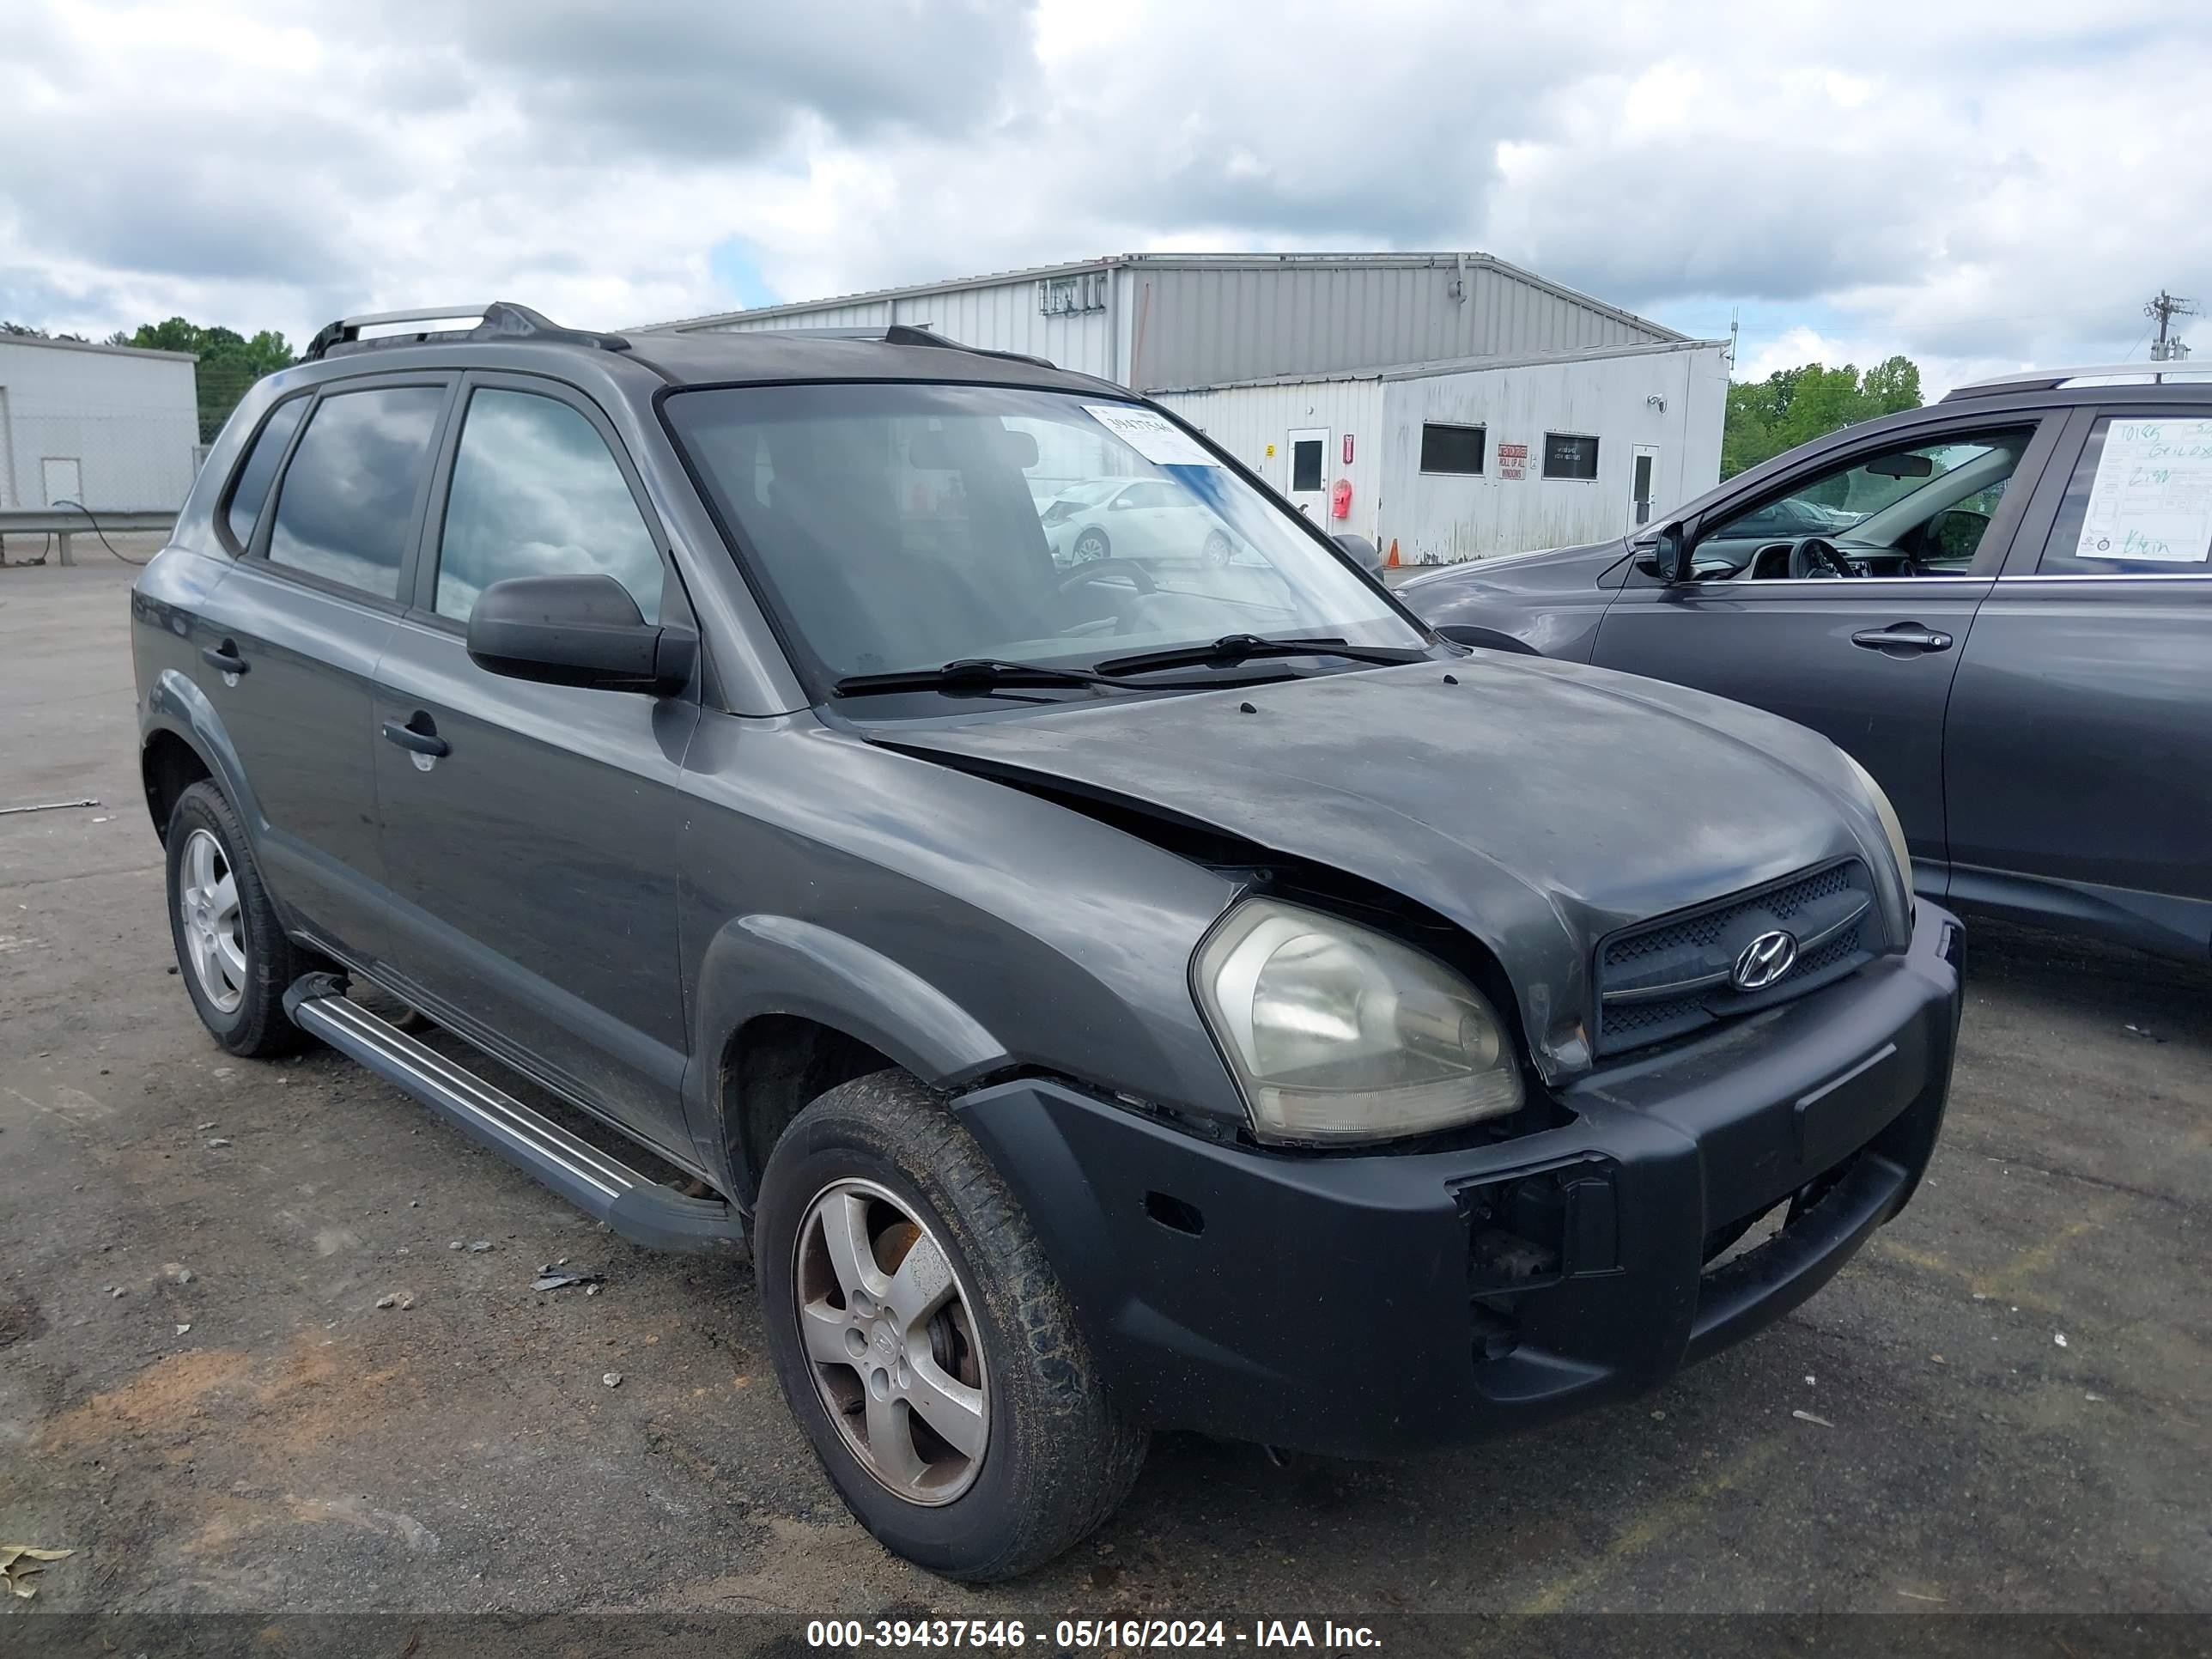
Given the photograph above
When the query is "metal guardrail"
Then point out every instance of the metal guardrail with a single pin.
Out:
(67, 521)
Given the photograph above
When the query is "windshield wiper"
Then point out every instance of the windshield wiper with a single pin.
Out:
(968, 674)
(1232, 649)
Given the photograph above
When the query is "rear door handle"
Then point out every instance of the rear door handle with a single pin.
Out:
(224, 657)
(1902, 636)
(417, 742)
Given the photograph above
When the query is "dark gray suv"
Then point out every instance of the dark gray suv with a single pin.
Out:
(2001, 605)
(1187, 994)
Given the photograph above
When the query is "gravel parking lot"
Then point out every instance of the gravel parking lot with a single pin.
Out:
(2001, 1405)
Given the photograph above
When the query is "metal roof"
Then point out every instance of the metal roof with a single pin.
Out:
(1471, 261)
(99, 346)
(1452, 366)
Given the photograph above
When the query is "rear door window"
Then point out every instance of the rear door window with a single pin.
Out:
(535, 492)
(251, 491)
(345, 511)
(2140, 500)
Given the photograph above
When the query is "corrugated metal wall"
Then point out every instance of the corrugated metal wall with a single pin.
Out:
(130, 423)
(1000, 317)
(1198, 325)
(1438, 519)
(865, 313)
(1245, 420)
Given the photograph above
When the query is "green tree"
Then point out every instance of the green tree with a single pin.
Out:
(230, 361)
(1795, 405)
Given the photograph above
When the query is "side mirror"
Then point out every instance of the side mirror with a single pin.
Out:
(1670, 555)
(1363, 551)
(577, 630)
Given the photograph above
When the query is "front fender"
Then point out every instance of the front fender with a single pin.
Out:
(776, 965)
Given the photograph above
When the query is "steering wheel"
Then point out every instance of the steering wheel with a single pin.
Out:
(1817, 556)
(1091, 572)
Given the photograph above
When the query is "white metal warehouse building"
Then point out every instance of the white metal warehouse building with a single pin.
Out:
(112, 428)
(1450, 402)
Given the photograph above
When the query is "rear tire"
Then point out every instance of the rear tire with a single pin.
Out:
(232, 952)
(888, 1160)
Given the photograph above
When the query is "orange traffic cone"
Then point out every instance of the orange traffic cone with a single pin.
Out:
(1392, 562)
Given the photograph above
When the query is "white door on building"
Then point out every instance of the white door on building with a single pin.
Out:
(1305, 472)
(1643, 481)
(62, 478)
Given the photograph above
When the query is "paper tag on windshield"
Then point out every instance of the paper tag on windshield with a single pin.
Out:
(2153, 496)
(1158, 440)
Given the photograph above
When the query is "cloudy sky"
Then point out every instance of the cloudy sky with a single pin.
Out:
(1979, 186)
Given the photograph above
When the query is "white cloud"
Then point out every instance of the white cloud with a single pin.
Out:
(1961, 190)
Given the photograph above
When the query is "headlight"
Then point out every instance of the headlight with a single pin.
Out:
(1337, 1033)
(1890, 826)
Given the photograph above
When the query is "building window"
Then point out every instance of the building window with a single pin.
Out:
(1570, 455)
(1451, 448)
(1065, 296)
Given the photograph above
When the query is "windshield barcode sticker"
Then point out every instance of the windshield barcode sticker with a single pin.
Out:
(1159, 441)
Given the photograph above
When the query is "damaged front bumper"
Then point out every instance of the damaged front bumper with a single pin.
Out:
(1380, 1304)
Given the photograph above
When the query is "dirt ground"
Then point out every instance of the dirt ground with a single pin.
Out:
(2001, 1404)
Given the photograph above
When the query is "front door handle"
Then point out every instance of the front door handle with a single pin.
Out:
(224, 657)
(418, 736)
(1902, 636)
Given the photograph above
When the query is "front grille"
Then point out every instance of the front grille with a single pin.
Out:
(1670, 977)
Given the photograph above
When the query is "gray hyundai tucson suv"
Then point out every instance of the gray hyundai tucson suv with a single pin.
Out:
(1169, 992)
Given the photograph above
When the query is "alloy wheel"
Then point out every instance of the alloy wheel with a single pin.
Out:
(213, 926)
(890, 1337)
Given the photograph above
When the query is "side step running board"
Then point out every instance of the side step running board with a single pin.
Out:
(640, 1209)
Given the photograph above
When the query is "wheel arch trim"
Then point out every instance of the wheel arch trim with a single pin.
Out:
(177, 706)
(766, 963)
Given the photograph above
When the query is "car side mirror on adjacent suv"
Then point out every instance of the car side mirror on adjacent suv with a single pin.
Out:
(1669, 557)
(1363, 552)
(578, 630)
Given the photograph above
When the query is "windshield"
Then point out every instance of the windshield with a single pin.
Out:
(899, 527)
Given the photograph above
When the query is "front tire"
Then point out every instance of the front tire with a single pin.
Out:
(1092, 545)
(924, 1343)
(232, 952)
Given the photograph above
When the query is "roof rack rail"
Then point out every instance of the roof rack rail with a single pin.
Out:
(2050, 379)
(500, 320)
(908, 334)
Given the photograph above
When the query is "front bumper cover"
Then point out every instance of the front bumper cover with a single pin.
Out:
(1382, 1304)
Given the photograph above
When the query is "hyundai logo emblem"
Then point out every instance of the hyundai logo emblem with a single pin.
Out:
(1765, 960)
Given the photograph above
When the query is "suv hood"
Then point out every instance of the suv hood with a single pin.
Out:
(1540, 806)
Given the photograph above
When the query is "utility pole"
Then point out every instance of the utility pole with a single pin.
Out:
(1732, 338)
(2165, 307)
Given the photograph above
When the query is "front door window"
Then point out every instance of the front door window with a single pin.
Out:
(1919, 509)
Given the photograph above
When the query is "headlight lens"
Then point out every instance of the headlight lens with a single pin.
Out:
(1890, 826)
(1337, 1033)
